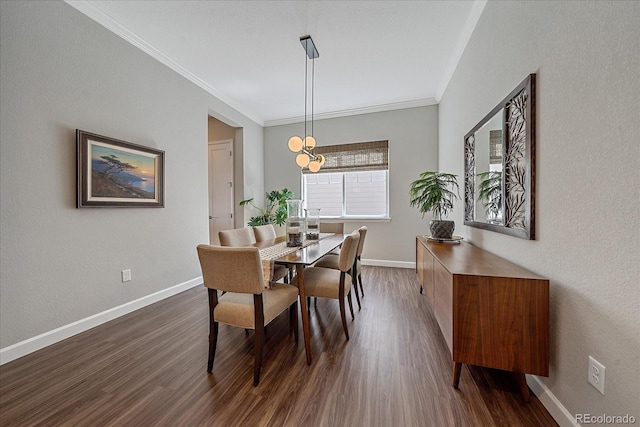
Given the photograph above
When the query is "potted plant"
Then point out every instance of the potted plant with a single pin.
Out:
(275, 210)
(434, 191)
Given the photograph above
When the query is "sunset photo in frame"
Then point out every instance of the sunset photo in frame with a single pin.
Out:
(113, 173)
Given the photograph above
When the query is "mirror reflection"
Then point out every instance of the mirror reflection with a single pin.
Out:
(488, 179)
(499, 166)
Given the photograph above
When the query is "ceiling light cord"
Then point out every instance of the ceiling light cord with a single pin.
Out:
(306, 66)
(305, 146)
(313, 85)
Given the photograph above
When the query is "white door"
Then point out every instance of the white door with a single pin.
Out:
(220, 188)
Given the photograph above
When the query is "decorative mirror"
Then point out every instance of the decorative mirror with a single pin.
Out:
(499, 166)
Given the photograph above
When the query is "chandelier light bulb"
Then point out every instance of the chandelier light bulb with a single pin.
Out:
(295, 144)
(314, 166)
(309, 142)
(320, 158)
(302, 160)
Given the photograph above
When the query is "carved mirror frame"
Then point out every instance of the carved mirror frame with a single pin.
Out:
(518, 164)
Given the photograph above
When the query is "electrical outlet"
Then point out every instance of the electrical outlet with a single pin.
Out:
(126, 275)
(595, 376)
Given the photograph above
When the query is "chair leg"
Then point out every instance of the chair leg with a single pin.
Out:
(315, 301)
(308, 303)
(213, 328)
(258, 355)
(341, 303)
(293, 320)
(350, 306)
(213, 340)
(355, 289)
(259, 332)
(360, 280)
(344, 318)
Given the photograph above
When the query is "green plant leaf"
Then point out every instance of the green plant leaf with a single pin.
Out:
(275, 210)
(431, 192)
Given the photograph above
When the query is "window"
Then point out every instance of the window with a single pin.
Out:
(353, 182)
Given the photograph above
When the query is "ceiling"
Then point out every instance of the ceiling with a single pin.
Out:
(374, 55)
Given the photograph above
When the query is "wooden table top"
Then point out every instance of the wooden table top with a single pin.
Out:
(308, 254)
(312, 253)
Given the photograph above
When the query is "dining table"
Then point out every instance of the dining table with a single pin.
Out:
(275, 251)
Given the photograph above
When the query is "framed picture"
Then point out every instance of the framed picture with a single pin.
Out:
(114, 173)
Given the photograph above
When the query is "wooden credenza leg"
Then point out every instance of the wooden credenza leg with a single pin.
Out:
(524, 388)
(420, 288)
(457, 368)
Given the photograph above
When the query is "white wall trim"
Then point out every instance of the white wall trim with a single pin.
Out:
(556, 409)
(46, 339)
(465, 35)
(36, 343)
(101, 17)
(355, 111)
(387, 263)
(104, 19)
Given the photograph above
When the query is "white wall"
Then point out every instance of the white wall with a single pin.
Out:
(586, 56)
(413, 148)
(61, 71)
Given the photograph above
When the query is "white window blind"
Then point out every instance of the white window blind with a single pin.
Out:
(352, 182)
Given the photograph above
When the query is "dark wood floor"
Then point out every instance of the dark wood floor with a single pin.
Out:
(149, 368)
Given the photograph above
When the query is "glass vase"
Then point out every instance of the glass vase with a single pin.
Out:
(295, 223)
(312, 217)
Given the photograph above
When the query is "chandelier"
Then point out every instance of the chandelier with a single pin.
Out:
(304, 147)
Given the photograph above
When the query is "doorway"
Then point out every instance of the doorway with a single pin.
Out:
(220, 155)
(225, 177)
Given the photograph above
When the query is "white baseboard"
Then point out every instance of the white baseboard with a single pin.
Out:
(46, 339)
(385, 263)
(556, 409)
(30, 345)
(559, 413)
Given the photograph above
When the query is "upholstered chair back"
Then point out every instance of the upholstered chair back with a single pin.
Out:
(363, 233)
(264, 232)
(348, 251)
(237, 237)
(231, 269)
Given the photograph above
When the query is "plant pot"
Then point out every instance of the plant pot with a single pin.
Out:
(442, 229)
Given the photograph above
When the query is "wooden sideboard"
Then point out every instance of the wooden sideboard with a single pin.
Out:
(491, 312)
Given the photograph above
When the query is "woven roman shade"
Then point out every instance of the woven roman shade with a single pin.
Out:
(359, 156)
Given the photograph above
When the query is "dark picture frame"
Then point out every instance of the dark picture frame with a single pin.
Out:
(517, 193)
(114, 173)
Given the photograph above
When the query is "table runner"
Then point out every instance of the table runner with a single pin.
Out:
(269, 254)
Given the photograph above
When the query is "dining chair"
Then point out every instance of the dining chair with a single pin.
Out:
(264, 232)
(237, 237)
(332, 283)
(268, 232)
(332, 227)
(332, 261)
(246, 302)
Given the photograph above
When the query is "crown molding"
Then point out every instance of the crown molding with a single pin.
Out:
(104, 19)
(355, 111)
(465, 36)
